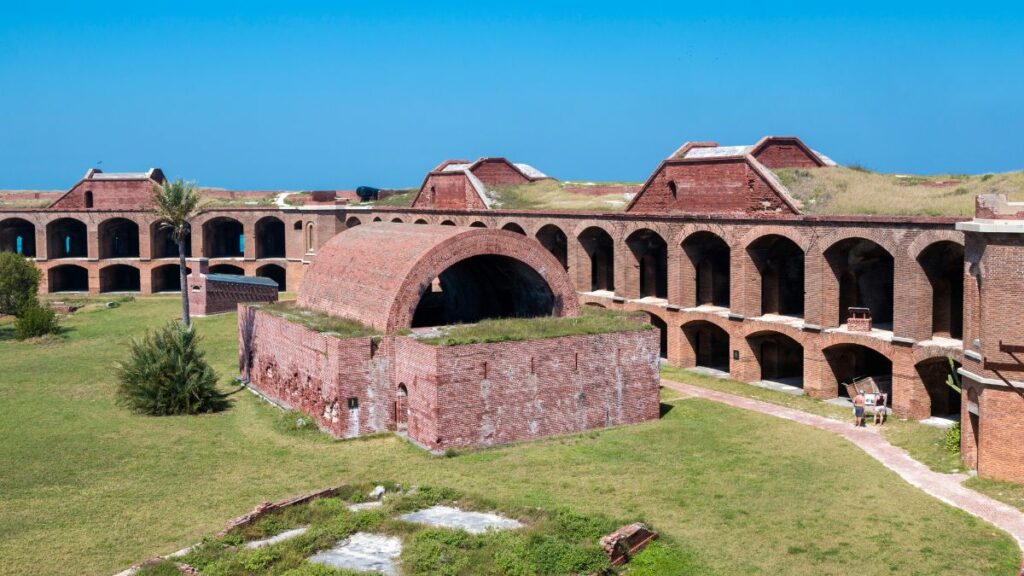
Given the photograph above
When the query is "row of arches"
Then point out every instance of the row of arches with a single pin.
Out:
(223, 237)
(862, 272)
(126, 278)
(779, 359)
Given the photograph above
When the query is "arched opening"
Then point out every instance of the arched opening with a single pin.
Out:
(119, 278)
(779, 358)
(600, 258)
(223, 237)
(275, 273)
(595, 305)
(513, 227)
(119, 238)
(943, 265)
(309, 237)
(482, 287)
(67, 278)
(709, 344)
(447, 223)
(162, 243)
(375, 219)
(672, 189)
(352, 222)
(227, 269)
(780, 266)
(852, 362)
(555, 241)
(396, 220)
(709, 257)
(88, 198)
(420, 221)
(66, 238)
(478, 224)
(662, 329)
(18, 236)
(297, 225)
(402, 407)
(269, 238)
(864, 272)
(944, 401)
(651, 254)
(166, 278)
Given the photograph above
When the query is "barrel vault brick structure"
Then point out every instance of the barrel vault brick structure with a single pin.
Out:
(713, 249)
(445, 396)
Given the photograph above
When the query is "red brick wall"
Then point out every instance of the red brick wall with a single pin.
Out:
(108, 195)
(785, 154)
(512, 391)
(316, 373)
(498, 172)
(448, 191)
(721, 186)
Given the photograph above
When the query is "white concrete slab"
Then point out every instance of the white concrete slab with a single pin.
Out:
(286, 535)
(472, 522)
(363, 552)
(365, 506)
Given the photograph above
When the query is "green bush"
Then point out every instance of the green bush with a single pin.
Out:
(35, 320)
(168, 374)
(19, 283)
(953, 438)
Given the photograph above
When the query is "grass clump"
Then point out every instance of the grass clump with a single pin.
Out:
(857, 190)
(590, 321)
(167, 374)
(317, 321)
(551, 194)
(400, 199)
(35, 320)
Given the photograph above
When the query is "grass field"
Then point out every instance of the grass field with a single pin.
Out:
(842, 190)
(88, 488)
(555, 195)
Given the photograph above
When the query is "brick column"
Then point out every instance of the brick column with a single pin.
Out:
(746, 368)
(745, 283)
(821, 291)
(623, 260)
(819, 382)
(912, 300)
(687, 280)
(909, 395)
(42, 245)
(92, 241)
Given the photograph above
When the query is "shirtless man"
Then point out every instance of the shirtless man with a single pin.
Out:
(858, 409)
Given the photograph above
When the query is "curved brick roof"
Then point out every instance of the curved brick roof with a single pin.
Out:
(376, 273)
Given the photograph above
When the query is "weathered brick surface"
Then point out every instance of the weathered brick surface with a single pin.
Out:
(448, 191)
(116, 194)
(474, 395)
(782, 152)
(498, 172)
(377, 272)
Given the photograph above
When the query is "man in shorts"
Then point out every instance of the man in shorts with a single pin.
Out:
(858, 409)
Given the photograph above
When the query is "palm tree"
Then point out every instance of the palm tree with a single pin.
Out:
(176, 203)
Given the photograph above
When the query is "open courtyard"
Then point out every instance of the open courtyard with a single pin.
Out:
(90, 488)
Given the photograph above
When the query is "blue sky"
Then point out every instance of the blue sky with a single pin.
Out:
(338, 94)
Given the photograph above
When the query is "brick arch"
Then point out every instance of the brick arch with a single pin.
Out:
(883, 348)
(925, 239)
(928, 353)
(697, 350)
(758, 232)
(694, 227)
(660, 228)
(611, 228)
(879, 237)
(751, 329)
(351, 277)
(719, 321)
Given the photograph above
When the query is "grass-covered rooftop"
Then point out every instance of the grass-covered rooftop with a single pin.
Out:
(855, 190)
(318, 321)
(590, 321)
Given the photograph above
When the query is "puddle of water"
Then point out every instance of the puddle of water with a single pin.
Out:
(363, 552)
(472, 522)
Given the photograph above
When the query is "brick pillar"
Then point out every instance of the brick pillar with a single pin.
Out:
(42, 246)
(687, 355)
(676, 340)
(196, 237)
(581, 265)
(627, 275)
(94, 277)
(912, 301)
(746, 368)
(821, 299)
(92, 241)
(909, 395)
(745, 284)
(145, 242)
(249, 231)
(687, 280)
(819, 382)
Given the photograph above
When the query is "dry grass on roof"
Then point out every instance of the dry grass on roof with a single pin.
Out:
(568, 196)
(843, 190)
(318, 321)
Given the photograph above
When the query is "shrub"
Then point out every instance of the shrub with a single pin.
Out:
(19, 283)
(35, 320)
(953, 438)
(168, 374)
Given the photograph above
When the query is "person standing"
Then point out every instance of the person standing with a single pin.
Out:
(879, 409)
(858, 409)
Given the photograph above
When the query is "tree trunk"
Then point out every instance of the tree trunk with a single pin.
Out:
(185, 318)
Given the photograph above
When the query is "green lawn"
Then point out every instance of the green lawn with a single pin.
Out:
(88, 488)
